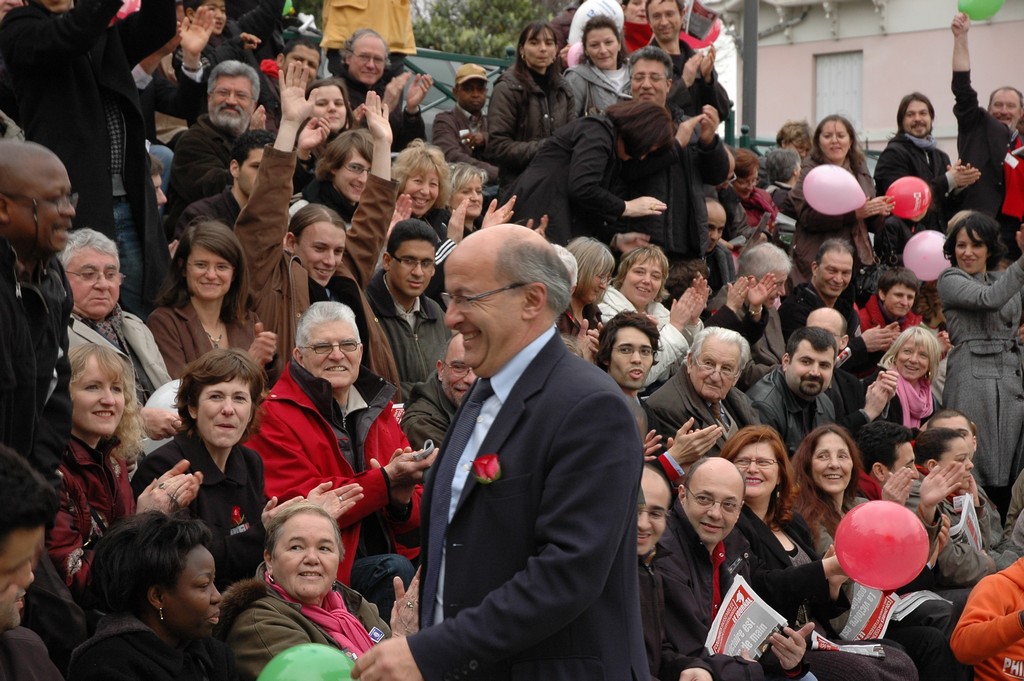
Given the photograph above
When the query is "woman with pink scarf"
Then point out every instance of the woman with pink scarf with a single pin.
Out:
(914, 356)
(295, 599)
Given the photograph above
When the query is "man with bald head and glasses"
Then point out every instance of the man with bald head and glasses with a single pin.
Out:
(37, 207)
(701, 407)
(432, 404)
(705, 555)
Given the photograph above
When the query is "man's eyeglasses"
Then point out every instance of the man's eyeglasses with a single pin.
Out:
(91, 275)
(411, 263)
(60, 203)
(347, 346)
(457, 369)
(708, 501)
(368, 58)
(627, 350)
(356, 168)
(653, 77)
(707, 367)
(653, 514)
(240, 96)
(454, 300)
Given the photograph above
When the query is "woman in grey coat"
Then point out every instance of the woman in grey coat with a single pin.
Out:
(602, 79)
(985, 368)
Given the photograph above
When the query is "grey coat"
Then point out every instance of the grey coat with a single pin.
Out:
(593, 91)
(985, 368)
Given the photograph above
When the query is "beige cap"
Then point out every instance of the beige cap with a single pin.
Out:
(470, 72)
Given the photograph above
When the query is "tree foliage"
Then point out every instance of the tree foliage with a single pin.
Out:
(480, 27)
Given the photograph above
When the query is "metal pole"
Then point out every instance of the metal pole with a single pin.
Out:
(750, 12)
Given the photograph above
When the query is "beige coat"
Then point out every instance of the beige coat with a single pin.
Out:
(140, 340)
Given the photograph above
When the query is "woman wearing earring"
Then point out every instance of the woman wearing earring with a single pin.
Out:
(154, 575)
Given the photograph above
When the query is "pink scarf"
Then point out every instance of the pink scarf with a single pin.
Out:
(334, 618)
(915, 400)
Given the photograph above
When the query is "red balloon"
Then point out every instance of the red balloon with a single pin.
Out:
(882, 545)
(912, 195)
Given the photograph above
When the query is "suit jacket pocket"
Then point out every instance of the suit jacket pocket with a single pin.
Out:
(987, 358)
(507, 487)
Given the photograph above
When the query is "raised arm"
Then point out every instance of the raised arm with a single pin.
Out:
(373, 216)
(958, 289)
(961, 54)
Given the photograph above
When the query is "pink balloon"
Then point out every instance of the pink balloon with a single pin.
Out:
(923, 255)
(882, 545)
(575, 56)
(913, 196)
(697, 43)
(833, 190)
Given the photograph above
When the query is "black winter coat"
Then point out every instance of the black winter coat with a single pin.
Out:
(60, 65)
(574, 179)
(902, 158)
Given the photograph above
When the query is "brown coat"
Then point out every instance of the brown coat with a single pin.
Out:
(181, 338)
(813, 228)
(280, 284)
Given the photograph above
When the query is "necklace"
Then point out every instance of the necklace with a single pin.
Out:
(214, 341)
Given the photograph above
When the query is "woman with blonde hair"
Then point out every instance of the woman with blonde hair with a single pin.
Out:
(639, 286)
(595, 264)
(106, 439)
(915, 357)
(422, 174)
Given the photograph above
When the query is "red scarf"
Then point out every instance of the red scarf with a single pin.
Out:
(1013, 204)
(333, 617)
(717, 558)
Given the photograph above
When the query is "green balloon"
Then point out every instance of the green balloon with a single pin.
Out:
(308, 662)
(288, 9)
(979, 10)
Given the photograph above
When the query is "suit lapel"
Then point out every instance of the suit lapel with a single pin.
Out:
(530, 383)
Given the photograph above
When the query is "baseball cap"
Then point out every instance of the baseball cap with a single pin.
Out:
(468, 72)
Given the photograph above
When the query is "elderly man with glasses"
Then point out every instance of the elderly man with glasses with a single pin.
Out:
(330, 420)
(432, 404)
(698, 409)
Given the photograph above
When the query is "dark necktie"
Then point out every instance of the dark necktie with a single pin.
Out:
(442, 497)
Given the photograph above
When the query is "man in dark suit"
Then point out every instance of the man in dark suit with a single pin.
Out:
(532, 575)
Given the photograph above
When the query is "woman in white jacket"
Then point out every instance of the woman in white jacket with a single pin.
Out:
(639, 285)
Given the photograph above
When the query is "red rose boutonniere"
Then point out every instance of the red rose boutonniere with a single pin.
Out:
(486, 468)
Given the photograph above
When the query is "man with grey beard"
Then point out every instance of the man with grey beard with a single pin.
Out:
(203, 154)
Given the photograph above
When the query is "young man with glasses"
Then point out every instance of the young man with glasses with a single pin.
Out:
(413, 322)
(699, 408)
(627, 348)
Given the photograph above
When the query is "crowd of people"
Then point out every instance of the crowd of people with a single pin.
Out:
(422, 385)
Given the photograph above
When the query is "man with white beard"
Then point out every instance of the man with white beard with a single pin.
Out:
(203, 154)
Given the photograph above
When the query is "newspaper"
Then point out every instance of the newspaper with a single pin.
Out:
(909, 602)
(871, 611)
(744, 622)
(699, 20)
(964, 504)
(819, 642)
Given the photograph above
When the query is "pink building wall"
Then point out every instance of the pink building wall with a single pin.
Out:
(894, 65)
